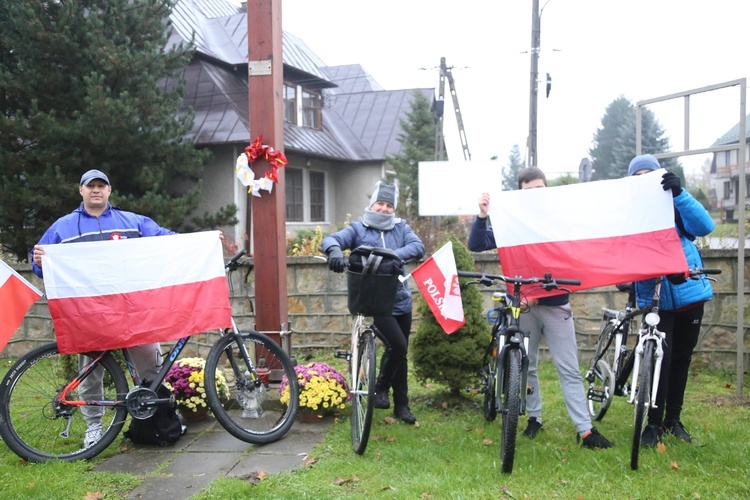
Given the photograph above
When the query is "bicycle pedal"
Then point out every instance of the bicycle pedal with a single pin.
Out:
(472, 390)
(341, 354)
(529, 390)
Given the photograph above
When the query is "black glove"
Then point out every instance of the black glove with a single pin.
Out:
(336, 259)
(670, 181)
(676, 279)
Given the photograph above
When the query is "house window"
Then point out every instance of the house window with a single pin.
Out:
(294, 202)
(727, 157)
(305, 195)
(290, 103)
(312, 104)
(317, 196)
(727, 190)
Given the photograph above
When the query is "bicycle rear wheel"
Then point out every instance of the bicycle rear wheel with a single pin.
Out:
(489, 382)
(601, 390)
(600, 377)
(642, 400)
(511, 403)
(364, 391)
(256, 410)
(32, 423)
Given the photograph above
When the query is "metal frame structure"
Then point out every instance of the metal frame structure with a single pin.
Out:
(741, 147)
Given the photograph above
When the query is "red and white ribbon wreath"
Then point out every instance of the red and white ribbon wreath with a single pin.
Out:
(258, 150)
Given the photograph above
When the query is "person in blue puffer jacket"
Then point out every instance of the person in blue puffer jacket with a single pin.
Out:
(379, 227)
(95, 220)
(680, 307)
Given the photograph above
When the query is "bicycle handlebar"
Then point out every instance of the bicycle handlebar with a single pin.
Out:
(488, 279)
(706, 270)
(232, 263)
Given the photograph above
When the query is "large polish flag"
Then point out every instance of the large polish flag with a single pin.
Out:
(601, 233)
(122, 293)
(16, 297)
(437, 280)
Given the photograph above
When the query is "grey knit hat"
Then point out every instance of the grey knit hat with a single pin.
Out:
(385, 192)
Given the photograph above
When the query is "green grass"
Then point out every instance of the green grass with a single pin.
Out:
(454, 453)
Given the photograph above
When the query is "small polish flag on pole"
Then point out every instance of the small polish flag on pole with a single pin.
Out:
(16, 297)
(437, 280)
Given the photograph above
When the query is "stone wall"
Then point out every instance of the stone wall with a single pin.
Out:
(317, 304)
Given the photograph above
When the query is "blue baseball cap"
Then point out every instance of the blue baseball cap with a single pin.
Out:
(94, 174)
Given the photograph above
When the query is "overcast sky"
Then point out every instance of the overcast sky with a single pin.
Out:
(595, 51)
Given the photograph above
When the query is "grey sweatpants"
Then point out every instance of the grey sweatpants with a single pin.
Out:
(555, 324)
(147, 360)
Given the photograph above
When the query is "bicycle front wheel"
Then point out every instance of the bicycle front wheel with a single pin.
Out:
(642, 400)
(37, 427)
(511, 394)
(363, 391)
(260, 408)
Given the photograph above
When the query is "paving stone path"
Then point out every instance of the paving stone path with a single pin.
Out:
(208, 452)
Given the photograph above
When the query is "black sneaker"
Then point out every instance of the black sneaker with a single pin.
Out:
(651, 435)
(594, 440)
(381, 400)
(533, 428)
(404, 414)
(678, 431)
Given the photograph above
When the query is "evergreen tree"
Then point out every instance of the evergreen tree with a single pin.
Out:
(614, 142)
(564, 180)
(418, 140)
(456, 359)
(92, 84)
(515, 164)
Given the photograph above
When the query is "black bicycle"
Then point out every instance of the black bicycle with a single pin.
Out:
(505, 367)
(611, 364)
(42, 414)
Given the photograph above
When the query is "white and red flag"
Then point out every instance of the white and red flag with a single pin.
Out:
(122, 293)
(16, 297)
(601, 233)
(437, 280)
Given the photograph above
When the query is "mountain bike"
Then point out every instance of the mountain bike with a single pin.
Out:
(611, 365)
(505, 368)
(42, 414)
(498, 316)
(369, 294)
(643, 362)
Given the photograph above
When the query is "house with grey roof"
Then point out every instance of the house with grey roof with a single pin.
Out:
(339, 124)
(725, 171)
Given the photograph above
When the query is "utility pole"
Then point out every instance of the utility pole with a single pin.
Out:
(438, 111)
(533, 84)
(445, 73)
(268, 212)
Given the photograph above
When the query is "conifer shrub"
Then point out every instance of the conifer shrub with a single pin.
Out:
(454, 360)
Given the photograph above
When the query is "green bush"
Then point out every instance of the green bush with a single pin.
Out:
(454, 360)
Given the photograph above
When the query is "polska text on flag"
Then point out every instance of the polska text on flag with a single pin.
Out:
(602, 233)
(16, 297)
(113, 294)
(437, 280)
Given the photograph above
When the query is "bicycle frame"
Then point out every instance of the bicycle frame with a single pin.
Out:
(511, 336)
(649, 333)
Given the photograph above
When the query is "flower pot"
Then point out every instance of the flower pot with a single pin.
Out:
(189, 415)
(311, 416)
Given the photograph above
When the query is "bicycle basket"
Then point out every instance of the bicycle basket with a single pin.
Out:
(372, 279)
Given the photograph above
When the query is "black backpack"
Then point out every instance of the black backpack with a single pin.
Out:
(163, 428)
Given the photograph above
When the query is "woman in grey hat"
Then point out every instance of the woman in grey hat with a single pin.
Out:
(379, 227)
